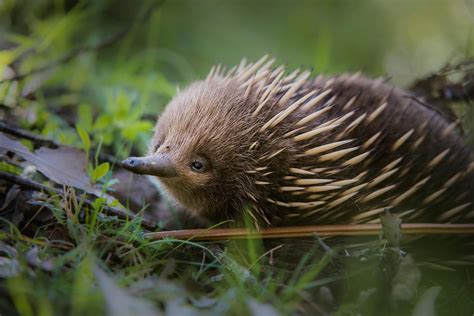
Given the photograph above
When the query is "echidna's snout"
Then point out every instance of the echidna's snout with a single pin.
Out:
(157, 165)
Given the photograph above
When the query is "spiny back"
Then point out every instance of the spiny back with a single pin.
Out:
(287, 149)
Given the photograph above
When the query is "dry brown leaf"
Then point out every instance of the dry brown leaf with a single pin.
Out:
(63, 165)
(119, 301)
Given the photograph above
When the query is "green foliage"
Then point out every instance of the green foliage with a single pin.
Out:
(86, 141)
(100, 171)
(120, 118)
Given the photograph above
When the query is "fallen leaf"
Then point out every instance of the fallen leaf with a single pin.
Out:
(426, 304)
(405, 283)
(9, 267)
(179, 306)
(7, 250)
(119, 302)
(261, 309)
(63, 165)
(33, 259)
(203, 302)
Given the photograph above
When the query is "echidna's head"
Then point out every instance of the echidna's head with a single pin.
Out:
(199, 149)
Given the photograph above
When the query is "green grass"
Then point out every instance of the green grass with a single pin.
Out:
(87, 267)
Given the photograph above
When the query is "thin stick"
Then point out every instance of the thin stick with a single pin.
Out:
(109, 210)
(43, 141)
(308, 231)
(21, 133)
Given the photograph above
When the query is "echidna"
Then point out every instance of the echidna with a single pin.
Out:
(289, 150)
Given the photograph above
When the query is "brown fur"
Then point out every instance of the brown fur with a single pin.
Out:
(254, 170)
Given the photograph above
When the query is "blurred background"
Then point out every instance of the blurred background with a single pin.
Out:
(105, 65)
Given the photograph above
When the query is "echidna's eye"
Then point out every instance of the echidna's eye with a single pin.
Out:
(197, 165)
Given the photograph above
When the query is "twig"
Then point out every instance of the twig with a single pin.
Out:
(438, 87)
(43, 141)
(109, 210)
(308, 231)
(21, 133)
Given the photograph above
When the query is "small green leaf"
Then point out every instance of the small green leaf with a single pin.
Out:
(4, 166)
(86, 141)
(7, 57)
(122, 105)
(85, 116)
(108, 138)
(100, 171)
(98, 203)
(103, 121)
